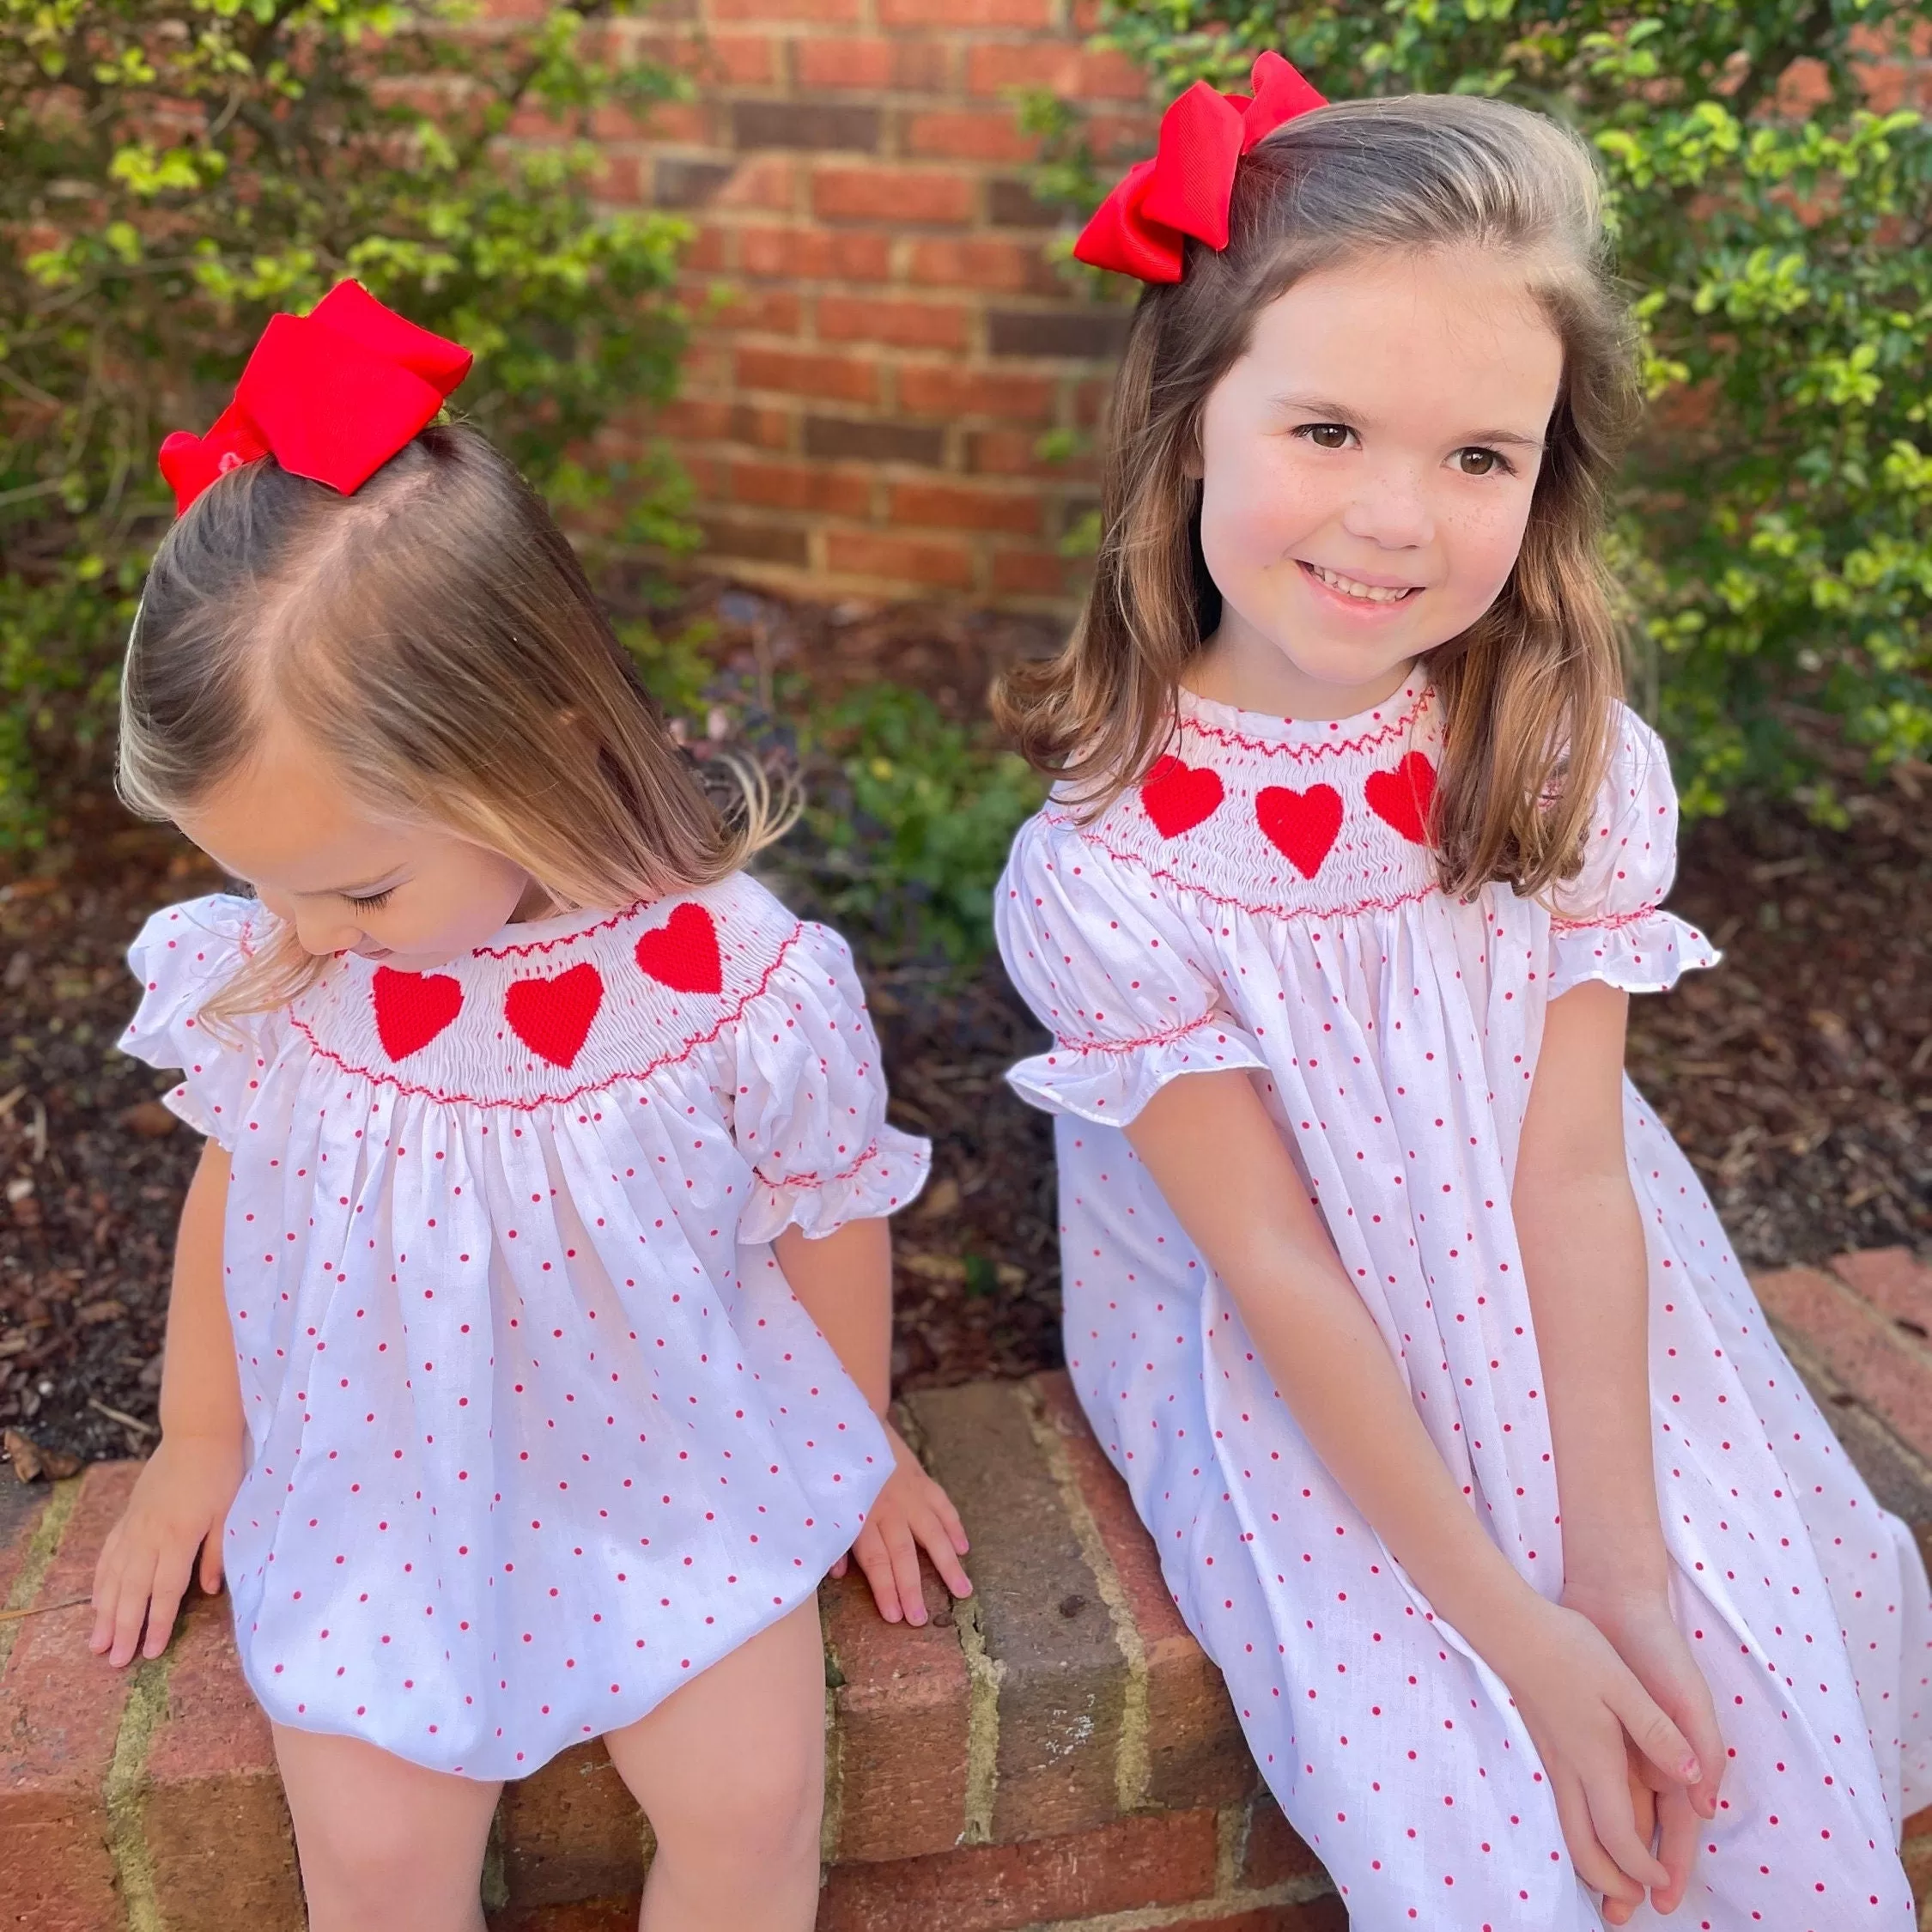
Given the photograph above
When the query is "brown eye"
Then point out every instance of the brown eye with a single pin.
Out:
(1476, 462)
(1329, 435)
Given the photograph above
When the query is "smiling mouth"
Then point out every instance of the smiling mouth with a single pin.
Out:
(1353, 586)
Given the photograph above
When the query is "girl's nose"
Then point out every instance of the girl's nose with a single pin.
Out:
(320, 932)
(1392, 510)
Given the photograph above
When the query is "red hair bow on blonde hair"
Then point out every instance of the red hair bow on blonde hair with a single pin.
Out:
(1142, 227)
(331, 396)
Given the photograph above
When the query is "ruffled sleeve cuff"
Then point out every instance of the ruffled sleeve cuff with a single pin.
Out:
(1109, 1081)
(889, 1173)
(809, 1110)
(184, 956)
(1644, 951)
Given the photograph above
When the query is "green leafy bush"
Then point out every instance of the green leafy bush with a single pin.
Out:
(908, 819)
(173, 170)
(1776, 535)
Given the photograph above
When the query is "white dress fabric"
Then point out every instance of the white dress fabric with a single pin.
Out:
(538, 1429)
(1265, 900)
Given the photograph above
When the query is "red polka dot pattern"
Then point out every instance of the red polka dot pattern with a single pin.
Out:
(538, 1427)
(1395, 1033)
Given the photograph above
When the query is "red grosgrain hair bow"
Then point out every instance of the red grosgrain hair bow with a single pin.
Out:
(1142, 227)
(332, 395)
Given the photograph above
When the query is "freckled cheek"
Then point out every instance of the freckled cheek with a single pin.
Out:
(1257, 518)
(1483, 547)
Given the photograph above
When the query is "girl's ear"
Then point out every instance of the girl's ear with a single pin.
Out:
(1192, 467)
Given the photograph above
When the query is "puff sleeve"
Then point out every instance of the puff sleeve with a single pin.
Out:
(1606, 923)
(184, 956)
(1106, 963)
(809, 1107)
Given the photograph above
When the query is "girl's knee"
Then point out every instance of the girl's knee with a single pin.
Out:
(767, 1815)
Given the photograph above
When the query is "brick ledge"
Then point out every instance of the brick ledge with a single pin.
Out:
(1058, 1752)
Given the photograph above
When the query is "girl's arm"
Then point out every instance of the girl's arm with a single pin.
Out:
(844, 1282)
(1222, 1166)
(1589, 1279)
(181, 1498)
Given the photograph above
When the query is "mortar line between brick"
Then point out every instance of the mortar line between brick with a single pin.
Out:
(127, 1786)
(984, 1674)
(495, 1884)
(1152, 1919)
(1133, 1764)
(1874, 1318)
(42, 1546)
(832, 1820)
(1804, 1355)
(1231, 1824)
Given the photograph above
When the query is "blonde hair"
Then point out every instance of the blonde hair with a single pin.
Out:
(433, 636)
(1528, 691)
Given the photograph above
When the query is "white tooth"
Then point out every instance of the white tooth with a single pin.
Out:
(1372, 593)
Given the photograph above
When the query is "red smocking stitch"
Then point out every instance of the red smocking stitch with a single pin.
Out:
(564, 939)
(1225, 734)
(1606, 922)
(1090, 836)
(683, 1052)
(820, 1180)
(1210, 1018)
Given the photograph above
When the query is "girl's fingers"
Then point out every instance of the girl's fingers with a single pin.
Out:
(170, 1586)
(106, 1592)
(869, 1551)
(1678, 1848)
(1652, 1732)
(106, 1599)
(939, 1544)
(1707, 1744)
(844, 1564)
(211, 1560)
(956, 1530)
(130, 1608)
(1613, 1819)
(1594, 1866)
(904, 1553)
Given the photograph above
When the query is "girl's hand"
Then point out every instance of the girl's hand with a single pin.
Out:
(180, 1504)
(912, 1514)
(1582, 1705)
(1643, 1807)
(1644, 1634)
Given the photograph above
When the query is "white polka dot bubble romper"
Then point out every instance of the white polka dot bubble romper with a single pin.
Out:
(1265, 900)
(538, 1429)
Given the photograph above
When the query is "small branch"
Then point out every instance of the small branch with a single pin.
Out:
(41, 1609)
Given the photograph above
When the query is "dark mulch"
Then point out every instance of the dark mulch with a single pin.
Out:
(1798, 1077)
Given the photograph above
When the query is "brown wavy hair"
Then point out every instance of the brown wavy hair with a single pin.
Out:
(1528, 691)
(434, 637)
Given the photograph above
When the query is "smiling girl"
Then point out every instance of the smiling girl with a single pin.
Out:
(1545, 1595)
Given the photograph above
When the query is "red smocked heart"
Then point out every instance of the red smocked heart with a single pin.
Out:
(682, 953)
(1179, 796)
(1402, 797)
(551, 1017)
(1301, 825)
(412, 1008)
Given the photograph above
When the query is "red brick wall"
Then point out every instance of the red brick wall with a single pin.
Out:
(862, 414)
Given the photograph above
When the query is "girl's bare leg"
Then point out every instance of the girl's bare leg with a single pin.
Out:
(386, 1846)
(731, 1772)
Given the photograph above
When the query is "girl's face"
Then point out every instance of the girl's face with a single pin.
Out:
(347, 879)
(1367, 471)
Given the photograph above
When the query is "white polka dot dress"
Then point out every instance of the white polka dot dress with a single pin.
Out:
(1265, 900)
(538, 1429)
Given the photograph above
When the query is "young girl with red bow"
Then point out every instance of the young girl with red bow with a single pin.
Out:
(527, 1357)
(1544, 1593)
